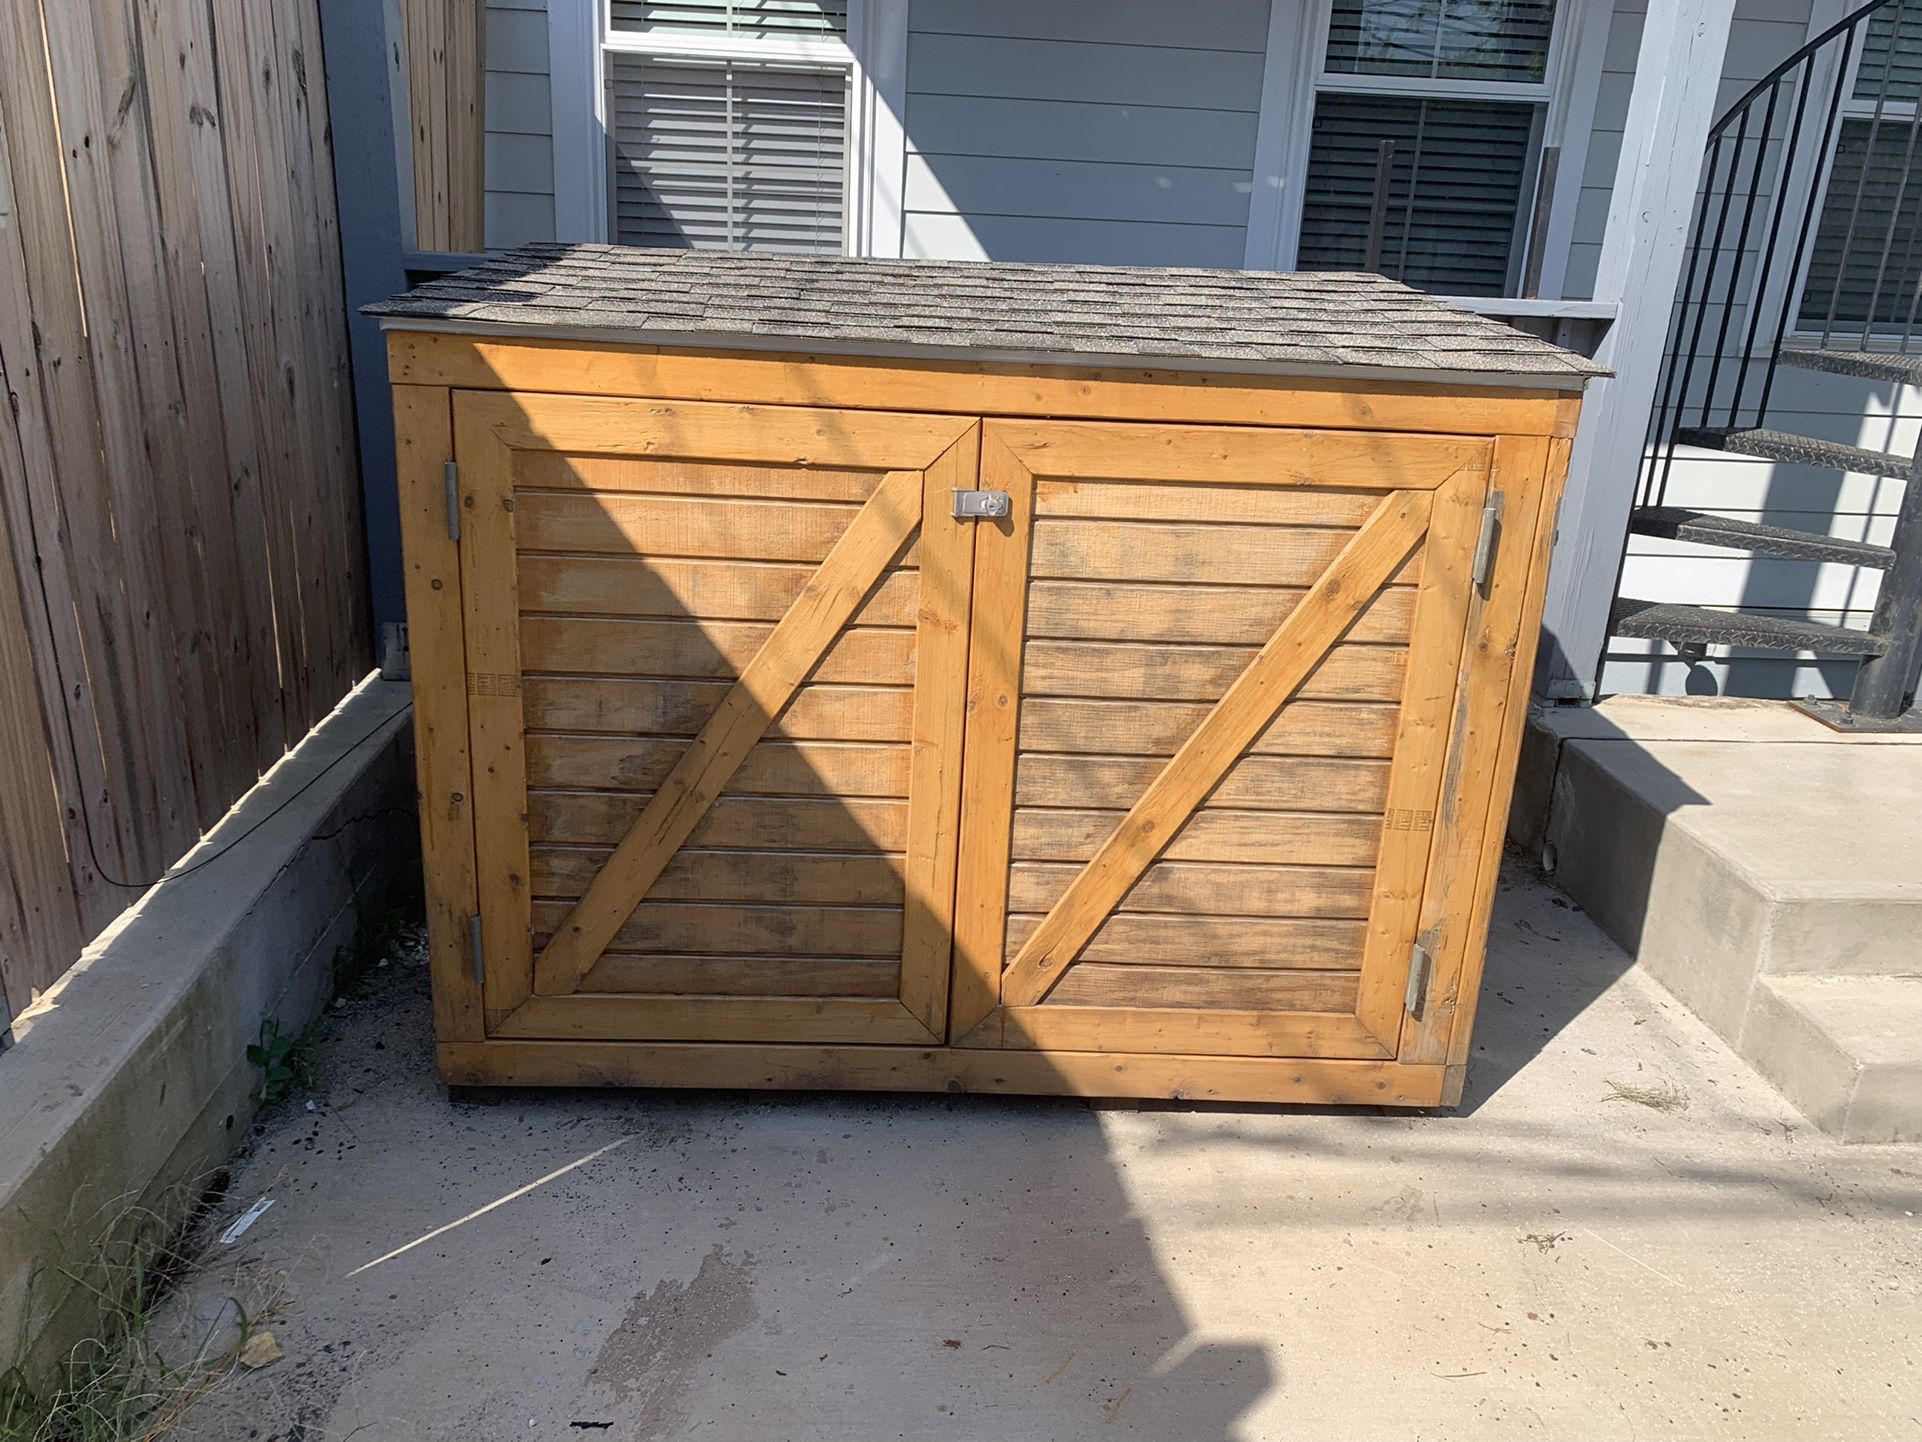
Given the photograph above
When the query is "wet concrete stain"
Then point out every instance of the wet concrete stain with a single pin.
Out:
(650, 1357)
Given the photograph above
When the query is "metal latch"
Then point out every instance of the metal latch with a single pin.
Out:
(1420, 963)
(1489, 541)
(479, 957)
(981, 505)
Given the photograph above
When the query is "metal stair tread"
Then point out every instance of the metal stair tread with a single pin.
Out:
(1680, 624)
(1681, 524)
(1897, 367)
(1798, 450)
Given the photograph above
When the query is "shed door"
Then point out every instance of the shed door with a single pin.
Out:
(1214, 680)
(716, 664)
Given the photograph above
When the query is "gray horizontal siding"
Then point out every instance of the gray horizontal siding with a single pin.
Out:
(520, 125)
(1027, 142)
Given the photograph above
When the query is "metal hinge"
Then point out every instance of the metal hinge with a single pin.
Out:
(450, 475)
(1420, 964)
(479, 953)
(1489, 541)
(981, 505)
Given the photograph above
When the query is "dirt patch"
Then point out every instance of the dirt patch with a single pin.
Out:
(651, 1356)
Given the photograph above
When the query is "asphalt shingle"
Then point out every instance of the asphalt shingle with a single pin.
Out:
(1318, 321)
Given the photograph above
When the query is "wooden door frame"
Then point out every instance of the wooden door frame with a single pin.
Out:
(1433, 492)
(921, 458)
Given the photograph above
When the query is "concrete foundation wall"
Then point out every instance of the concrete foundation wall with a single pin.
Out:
(131, 1076)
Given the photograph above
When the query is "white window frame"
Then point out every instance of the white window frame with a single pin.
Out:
(1297, 72)
(873, 57)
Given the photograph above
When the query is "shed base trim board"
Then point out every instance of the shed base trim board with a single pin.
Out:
(919, 1069)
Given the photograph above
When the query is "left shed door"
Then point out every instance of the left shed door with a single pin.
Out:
(716, 659)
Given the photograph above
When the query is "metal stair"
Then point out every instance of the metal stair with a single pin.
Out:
(1775, 445)
(1676, 524)
(1687, 627)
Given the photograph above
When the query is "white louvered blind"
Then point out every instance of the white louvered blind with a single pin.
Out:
(727, 155)
(1459, 174)
(1500, 40)
(792, 19)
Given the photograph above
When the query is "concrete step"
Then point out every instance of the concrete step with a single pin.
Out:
(1846, 1050)
(1768, 873)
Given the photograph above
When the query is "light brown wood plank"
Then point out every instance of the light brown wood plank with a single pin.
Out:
(578, 818)
(741, 530)
(630, 705)
(972, 388)
(668, 476)
(742, 976)
(1214, 988)
(607, 1016)
(1167, 551)
(1212, 834)
(772, 768)
(1248, 706)
(679, 589)
(830, 880)
(1132, 939)
(787, 1066)
(1217, 455)
(1256, 783)
(1210, 889)
(1268, 503)
(702, 649)
(1186, 1030)
(791, 652)
(1222, 615)
(736, 928)
(1157, 728)
(1199, 673)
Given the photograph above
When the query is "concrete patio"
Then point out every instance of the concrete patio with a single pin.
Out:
(1558, 1260)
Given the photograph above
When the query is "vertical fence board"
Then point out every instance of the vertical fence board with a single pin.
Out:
(182, 581)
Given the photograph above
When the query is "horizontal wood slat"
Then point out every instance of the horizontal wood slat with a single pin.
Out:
(701, 650)
(1157, 728)
(605, 1015)
(732, 823)
(1210, 889)
(1319, 459)
(1221, 988)
(829, 880)
(1182, 1030)
(625, 525)
(742, 976)
(1214, 834)
(1223, 615)
(1130, 939)
(629, 705)
(773, 768)
(1125, 501)
(1224, 555)
(1199, 673)
(670, 588)
(746, 930)
(1257, 783)
(668, 476)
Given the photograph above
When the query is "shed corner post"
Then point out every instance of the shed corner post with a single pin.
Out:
(1678, 74)
(355, 41)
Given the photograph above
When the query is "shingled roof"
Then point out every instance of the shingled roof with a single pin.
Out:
(1313, 323)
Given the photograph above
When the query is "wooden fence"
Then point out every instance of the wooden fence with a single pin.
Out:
(182, 567)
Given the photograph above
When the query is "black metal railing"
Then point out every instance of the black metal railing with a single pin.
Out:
(1806, 233)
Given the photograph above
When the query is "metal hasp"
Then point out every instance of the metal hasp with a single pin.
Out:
(981, 505)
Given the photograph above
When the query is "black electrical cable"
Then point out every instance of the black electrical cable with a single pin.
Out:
(73, 740)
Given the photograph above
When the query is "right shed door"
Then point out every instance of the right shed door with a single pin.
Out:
(1213, 681)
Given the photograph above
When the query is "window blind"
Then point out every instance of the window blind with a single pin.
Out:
(1496, 40)
(790, 19)
(1903, 68)
(1460, 172)
(727, 156)
(1842, 265)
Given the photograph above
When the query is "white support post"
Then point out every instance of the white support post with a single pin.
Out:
(1678, 76)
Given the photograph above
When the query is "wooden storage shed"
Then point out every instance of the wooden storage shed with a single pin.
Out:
(893, 674)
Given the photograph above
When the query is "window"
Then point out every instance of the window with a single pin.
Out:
(1865, 272)
(1445, 100)
(727, 123)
